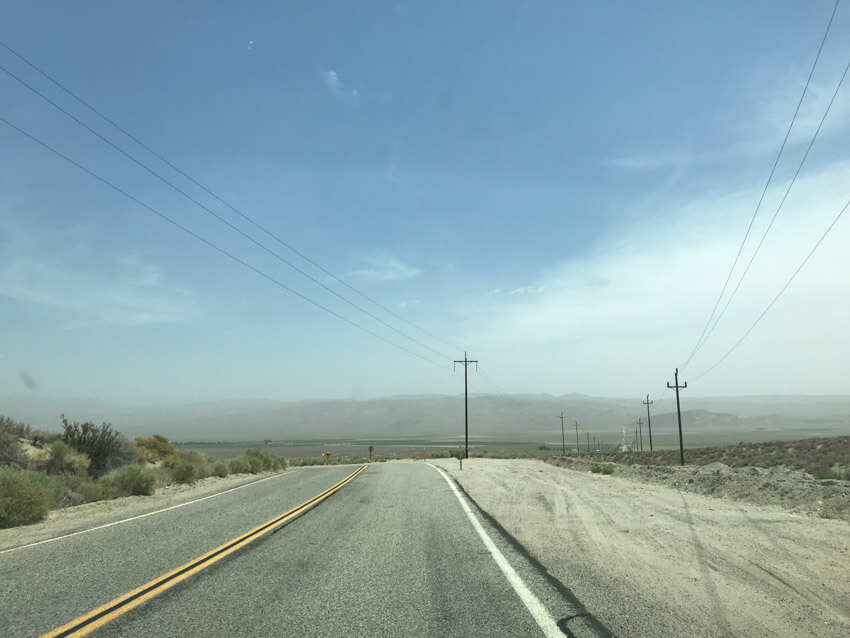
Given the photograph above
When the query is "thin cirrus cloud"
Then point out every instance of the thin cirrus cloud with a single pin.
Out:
(384, 268)
(129, 293)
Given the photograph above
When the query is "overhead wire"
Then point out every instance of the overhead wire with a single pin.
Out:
(703, 337)
(219, 217)
(779, 294)
(212, 245)
(781, 203)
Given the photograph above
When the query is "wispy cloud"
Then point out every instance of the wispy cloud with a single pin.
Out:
(331, 78)
(384, 268)
(650, 161)
(339, 90)
(122, 290)
(638, 302)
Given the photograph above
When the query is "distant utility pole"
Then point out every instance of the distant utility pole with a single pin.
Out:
(466, 361)
(563, 440)
(577, 447)
(640, 427)
(648, 403)
(678, 387)
(588, 441)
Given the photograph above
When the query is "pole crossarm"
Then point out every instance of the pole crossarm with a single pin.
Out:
(678, 387)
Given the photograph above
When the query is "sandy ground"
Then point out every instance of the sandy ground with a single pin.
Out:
(71, 519)
(654, 560)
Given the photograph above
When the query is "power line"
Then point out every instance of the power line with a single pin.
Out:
(782, 201)
(779, 294)
(224, 252)
(214, 214)
(703, 337)
(217, 197)
(505, 397)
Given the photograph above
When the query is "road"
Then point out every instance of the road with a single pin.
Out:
(393, 553)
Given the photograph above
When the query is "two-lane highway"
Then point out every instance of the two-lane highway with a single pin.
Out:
(393, 553)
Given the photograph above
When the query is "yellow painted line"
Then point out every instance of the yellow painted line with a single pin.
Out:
(96, 618)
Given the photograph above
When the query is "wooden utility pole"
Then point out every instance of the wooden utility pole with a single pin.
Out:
(577, 445)
(640, 428)
(563, 440)
(466, 361)
(678, 387)
(588, 441)
(648, 403)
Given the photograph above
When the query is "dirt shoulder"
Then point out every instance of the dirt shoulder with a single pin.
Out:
(656, 560)
(68, 520)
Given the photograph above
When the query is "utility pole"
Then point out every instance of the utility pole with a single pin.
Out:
(588, 441)
(563, 440)
(648, 403)
(678, 387)
(640, 427)
(577, 446)
(466, 361)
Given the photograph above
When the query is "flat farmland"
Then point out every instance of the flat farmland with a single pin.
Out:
(297, 451)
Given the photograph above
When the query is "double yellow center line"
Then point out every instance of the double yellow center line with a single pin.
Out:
(96, 618)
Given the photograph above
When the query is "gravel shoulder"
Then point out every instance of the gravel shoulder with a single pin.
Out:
(656, 560)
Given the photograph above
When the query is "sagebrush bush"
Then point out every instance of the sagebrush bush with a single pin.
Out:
(255, 464)
(10, 451)
(265, 458)
(155, 448)
(25, 497)
(221, 469)
(239, 465)
(133, 480)
(183, 470)
(64, 459)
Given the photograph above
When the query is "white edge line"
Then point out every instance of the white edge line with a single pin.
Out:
(537, 610)
(134, 518)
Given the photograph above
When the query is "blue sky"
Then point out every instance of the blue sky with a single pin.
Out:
(558, 188)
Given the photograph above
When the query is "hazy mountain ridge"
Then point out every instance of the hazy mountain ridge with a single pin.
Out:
(504, 416)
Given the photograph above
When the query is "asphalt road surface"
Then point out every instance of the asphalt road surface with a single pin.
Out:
(398, 551)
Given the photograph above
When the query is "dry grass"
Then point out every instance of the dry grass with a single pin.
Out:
(822, 457)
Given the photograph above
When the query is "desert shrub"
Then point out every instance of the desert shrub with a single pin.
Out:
(88, 491)
(263, 455)
(221, 469)
(16, 428)
(239, 465)
(25, 497)
(155, 448)
(133, 480)
(255, 464)
(598, 468)
(183, 470)
(186, 466)
(10, 451)
(103, 445)
(64, 459)
(826, 473)
(40, 438)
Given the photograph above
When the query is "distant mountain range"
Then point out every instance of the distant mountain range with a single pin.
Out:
(513, 417)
